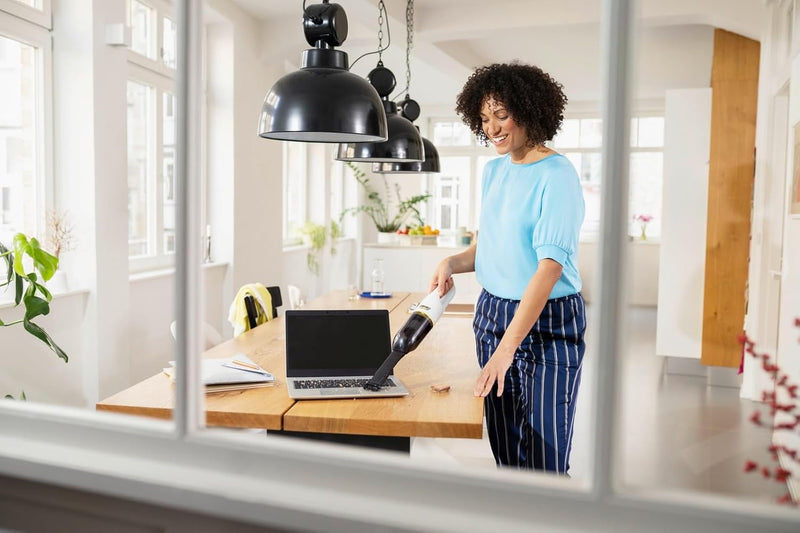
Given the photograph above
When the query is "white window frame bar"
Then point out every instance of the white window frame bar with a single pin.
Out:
(222, 474)
(40, 16)
(189, 413)
(38, 37)
(160, 9)
(287, 239)
(155, 198)
(617, 32)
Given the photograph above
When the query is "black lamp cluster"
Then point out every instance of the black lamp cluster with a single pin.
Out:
(325, 102)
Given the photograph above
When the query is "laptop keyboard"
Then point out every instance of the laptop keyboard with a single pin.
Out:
(335, 383)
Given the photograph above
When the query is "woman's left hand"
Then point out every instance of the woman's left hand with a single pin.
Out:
(494, 372)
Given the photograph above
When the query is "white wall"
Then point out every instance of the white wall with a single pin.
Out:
(681, 279)
(789, 334)
(28, 364)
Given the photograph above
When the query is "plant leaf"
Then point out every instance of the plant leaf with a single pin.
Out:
(42, 335)
(22, 397)
(9, 259)
(35, 306)
(18, 289)
(20, 242)
(45, 263)
(44, 290)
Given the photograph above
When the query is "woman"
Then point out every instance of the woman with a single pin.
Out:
(530, 317)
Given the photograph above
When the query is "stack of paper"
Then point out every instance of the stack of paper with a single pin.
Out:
(229, 373)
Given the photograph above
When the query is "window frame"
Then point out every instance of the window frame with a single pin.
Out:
(474, 151)
(155, 198)
(40, 16)
(311, 183)
(154, 73)
(230, 475)
(161, 10)
(644, 109)
(29, 32)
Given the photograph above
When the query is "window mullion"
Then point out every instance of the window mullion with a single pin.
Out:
(158, 190)
(616, 39)
(152, 172)
(188, 413)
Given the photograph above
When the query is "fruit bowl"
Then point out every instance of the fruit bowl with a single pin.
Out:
(423, 240)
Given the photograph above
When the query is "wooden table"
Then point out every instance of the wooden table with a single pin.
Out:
(446, 356)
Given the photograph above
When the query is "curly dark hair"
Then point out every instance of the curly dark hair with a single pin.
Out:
(530, 95)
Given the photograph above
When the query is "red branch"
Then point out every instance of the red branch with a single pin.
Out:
(780, 475)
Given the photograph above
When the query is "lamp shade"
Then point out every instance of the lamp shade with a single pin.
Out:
(404, 143)
(323, 101)
(431, 163)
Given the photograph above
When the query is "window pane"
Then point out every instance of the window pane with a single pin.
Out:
(442, 133)
(646, 172)
(19, 153)
(142, 29)
(139, 166)
(651, 132)
(33, 3)
(447, 211)
(591, 132)
(451, 134)
(588, 167)
(169, 46)
(168, 171)
(337, 190)
(634, 131)
(569, 134)
(294, 179)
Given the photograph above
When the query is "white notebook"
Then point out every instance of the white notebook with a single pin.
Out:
(228, 371)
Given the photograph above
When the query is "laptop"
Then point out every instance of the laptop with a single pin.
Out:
(332, 354)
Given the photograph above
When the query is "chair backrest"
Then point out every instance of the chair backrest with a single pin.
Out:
(211, 337)
(295, 297)
(277, 301)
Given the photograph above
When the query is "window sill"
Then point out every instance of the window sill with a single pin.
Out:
(8, 303)
(298, 246)
(163, 272)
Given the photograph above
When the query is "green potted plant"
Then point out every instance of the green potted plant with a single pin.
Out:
(386, 219)
(29, 287)
(314, 235)
(335, 232)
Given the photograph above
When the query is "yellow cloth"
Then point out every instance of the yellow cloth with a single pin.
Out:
(237, 314)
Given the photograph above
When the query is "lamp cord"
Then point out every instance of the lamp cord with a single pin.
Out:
(409, 45)
(380, 50)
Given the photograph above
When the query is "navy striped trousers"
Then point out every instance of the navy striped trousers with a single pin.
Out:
(530, 425)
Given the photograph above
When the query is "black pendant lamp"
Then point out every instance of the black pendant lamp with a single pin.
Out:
(410, 110)
(404, 143)
(323, 101)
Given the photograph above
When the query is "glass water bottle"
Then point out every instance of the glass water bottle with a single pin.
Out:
(377, 277)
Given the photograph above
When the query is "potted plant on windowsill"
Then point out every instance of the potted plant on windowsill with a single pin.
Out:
(387, 220)
(60, 239)
(29, 286)
(314, 236)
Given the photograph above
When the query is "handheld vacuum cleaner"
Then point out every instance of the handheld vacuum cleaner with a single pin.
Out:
(424, 315)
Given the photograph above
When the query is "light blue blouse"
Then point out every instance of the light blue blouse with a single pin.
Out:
(529, 212)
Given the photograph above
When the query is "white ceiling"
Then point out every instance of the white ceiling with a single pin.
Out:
(452, 37)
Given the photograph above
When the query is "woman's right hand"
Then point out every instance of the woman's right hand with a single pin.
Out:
(442, 277)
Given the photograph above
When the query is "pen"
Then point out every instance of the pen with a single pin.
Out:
(248, 365)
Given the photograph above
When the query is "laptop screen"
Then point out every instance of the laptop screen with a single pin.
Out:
(336, 342)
